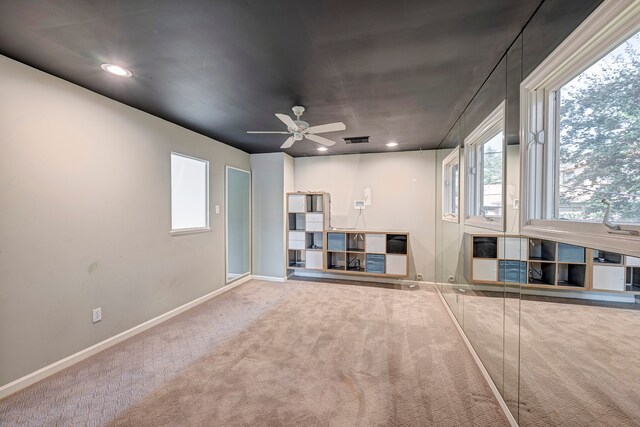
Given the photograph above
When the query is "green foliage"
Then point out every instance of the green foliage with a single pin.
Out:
(600, 140)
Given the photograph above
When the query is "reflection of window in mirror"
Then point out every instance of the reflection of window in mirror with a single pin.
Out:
(485, 177)
(582, 121)
(451, 186)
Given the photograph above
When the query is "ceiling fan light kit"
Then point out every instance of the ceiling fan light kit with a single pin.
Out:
(299, 129)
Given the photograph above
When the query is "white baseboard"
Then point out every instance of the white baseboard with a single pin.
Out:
(475, 356)
(55, 367)
(270, 278)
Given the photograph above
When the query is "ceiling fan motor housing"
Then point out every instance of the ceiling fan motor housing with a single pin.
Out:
(298, 110)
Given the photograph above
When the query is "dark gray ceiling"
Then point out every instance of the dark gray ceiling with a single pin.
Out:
(394, 70)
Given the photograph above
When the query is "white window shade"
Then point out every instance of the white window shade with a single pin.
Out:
(189, 193)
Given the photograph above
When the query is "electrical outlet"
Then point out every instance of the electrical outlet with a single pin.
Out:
(97, 314)
(419, 276)
(516, 204)
(217, 209)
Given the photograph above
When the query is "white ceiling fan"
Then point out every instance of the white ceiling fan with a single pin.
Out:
(299, 129)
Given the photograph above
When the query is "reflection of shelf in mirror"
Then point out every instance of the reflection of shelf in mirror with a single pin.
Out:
(603, 257)
(485, 247)
(542, 250)
(542, 273)
(539, 282)
(572, 275)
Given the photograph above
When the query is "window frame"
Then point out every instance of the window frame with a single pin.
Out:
(192, 230)
(452, 159)
(613, 22)
(494, 123)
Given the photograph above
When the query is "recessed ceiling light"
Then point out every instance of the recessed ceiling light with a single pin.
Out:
(392, 144)
(116, 69)
(322, 148)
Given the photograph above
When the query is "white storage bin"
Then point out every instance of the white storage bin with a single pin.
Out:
(296, 240)
(375, 243)
(485, 269)
(396, 265)
(513, 248)
(296, 203)
(314, 260)
(314, 222)
(608, 278)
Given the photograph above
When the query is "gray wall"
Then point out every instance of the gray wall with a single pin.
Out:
(268, 219)
(403, 190)
(85, 218)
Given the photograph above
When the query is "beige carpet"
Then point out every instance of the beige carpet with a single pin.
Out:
(298, 353)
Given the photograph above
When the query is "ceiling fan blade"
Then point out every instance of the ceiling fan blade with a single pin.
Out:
(329, 127)
(320, 140)
(287, 121)
(267, 131)
(288, 143)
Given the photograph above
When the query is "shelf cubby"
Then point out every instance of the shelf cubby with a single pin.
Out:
(314, 240)
(355, 261)
(355, 242)
(314, 202)
(485, 247)
(633, 279)
(296, 258)
(296, 222)
(572, 275)
(604, 257)
(336, 261)
(397, 244)
(542, 273)
(542, 250)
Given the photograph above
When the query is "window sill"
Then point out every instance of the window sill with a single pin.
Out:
(480, 222)
(590, 235)
(184, 231)
(451, 218)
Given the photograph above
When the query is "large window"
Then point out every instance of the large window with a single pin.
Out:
(485, 160)
(451, 186)
(598, 138)
(581, 128)
(189, 193)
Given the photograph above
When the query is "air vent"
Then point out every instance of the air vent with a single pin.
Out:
(357, 140)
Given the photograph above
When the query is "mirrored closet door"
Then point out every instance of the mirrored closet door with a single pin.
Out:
(238, 222)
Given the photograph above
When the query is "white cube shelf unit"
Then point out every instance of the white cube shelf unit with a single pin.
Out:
(368, 253)
(547, 264)
(307, 218)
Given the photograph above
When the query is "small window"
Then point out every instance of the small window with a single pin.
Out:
(580, 132)
(189, 193)
(451, 186)
(485, 159)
